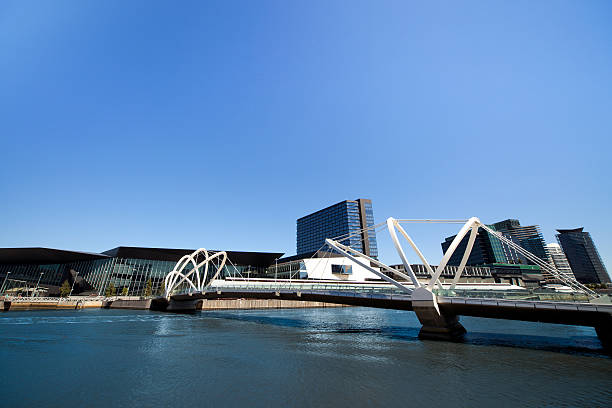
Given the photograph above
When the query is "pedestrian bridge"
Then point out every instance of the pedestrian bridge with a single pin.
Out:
(525, 305)
(437, 306)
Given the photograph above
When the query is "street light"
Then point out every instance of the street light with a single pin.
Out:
(275, 269)
(5, 278)
(37, 283)
(73, 282)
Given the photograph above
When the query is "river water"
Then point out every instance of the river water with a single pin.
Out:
(336, 357)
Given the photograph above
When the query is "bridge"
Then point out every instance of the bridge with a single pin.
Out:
(438, 306)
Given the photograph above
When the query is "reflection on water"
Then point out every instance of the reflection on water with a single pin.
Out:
(302, 357)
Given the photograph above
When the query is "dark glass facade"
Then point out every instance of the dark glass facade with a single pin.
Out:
(529, 237)
(582, 256)
(344, 221)
(487, 249)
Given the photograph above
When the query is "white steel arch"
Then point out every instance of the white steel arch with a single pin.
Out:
(177, 276)
(392, 225)
(451, 250)
(470, 226)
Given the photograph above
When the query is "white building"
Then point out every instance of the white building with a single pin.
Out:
(556, 257)
(335, 267)
(321, 266)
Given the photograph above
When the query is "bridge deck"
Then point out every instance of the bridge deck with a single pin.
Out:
(581, 314)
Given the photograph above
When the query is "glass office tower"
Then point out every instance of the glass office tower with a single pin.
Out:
(347, 221)
(582, 256)
(487, 249)
(528, 236)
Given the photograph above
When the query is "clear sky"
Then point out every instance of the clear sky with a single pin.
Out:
(218, 124)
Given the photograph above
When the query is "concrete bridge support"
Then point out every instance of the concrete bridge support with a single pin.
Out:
(178, 306)
(604, 332)
(436, 326)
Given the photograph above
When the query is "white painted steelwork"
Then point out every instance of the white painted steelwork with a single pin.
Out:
(470, 226)
(177, 277)
(356, 256)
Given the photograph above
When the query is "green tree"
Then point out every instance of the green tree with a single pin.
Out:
(162, 288)
(110, 290)
(147, 291)
(65, 289)
(124, 291)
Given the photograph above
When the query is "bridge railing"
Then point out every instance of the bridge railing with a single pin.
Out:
(530, 294)
(536, 294)
(241, 286)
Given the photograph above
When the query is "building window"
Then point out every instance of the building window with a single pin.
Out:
(342, 269)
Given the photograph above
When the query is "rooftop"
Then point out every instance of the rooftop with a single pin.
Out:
(44, 256)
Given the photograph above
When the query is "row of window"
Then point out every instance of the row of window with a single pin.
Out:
(99, 275)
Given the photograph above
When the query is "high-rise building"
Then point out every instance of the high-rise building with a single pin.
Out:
(582, 256)
(557, 258)
(487, 249)
(348, 218)
(528, 236)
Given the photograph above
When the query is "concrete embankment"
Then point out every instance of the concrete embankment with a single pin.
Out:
(145, 304)
(52, 304)
(135, 304)
(228, 304)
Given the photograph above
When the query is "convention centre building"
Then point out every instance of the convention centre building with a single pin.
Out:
(128, 270)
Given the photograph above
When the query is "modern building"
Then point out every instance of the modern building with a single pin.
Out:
(319, 265)
(505, 261)
(517, 274)
(471, 274)
(495, 273)
(528, 236)
(556, 257)
(487, 249)
(346, 221)
(582, 256)
(331, 266)
(42, 271)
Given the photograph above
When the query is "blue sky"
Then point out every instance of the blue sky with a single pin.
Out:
(218, 124)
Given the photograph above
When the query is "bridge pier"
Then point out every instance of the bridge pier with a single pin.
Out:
(604, 332)
(177, 306)
(183, 306)
(436, 326)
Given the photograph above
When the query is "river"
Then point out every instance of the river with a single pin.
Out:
(335, 357)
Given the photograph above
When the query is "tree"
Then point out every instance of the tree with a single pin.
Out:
(124, 291)
(162, 288)
(65, 289)
(110, 290)
(147, 291)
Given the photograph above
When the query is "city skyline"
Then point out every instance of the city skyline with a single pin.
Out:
(428, 249)
(210, 127)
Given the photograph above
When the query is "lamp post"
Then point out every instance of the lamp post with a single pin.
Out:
(37, 283)
(5, 278)
(275, 269)
(73, 282)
